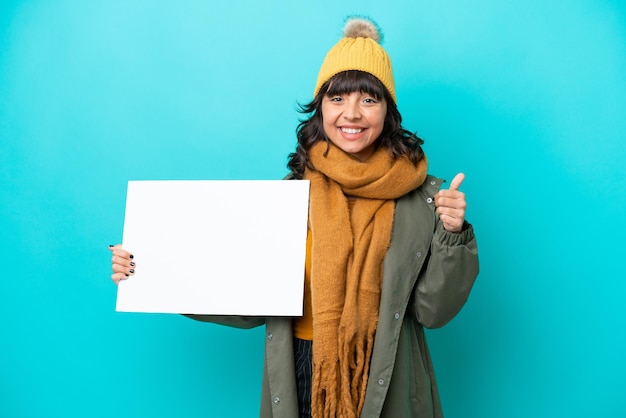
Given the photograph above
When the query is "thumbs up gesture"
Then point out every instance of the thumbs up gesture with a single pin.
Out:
(451, 205)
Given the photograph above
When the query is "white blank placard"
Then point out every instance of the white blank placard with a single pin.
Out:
(216, 247)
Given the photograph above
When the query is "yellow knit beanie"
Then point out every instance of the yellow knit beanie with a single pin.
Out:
(359, 49)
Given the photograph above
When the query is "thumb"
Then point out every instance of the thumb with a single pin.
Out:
(456, 181)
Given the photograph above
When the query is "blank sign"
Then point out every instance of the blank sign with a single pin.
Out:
(216, 247)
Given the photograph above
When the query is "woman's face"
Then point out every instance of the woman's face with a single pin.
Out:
(353, 122)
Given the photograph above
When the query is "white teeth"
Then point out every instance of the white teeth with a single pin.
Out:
(351, 130)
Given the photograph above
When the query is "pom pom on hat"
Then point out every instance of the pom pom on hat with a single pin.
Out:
(359, 49)
(362, 27)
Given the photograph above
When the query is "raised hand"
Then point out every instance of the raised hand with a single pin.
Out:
(451, 205)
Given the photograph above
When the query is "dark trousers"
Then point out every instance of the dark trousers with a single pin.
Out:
(303, 353)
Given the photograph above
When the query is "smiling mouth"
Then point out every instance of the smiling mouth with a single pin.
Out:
(352, 130)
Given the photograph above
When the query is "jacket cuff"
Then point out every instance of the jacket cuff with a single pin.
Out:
(451, 239)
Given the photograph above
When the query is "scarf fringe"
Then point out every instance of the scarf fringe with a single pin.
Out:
(325, 390)
(355, 355)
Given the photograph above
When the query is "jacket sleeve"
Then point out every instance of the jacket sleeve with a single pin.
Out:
(444, 283)
(245, 322)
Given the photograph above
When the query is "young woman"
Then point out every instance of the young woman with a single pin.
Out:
(388, 253)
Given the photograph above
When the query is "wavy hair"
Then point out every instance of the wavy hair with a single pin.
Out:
(397, 140)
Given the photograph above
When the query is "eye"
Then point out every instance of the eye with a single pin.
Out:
(370, 100)
(335, 98)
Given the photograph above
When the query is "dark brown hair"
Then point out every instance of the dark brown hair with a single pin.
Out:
(397, 140)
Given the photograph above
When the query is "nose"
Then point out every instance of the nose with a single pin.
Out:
(352, 110)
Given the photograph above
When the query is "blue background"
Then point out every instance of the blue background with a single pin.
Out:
(528, 99)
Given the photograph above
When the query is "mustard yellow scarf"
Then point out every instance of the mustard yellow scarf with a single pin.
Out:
(346, 266)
